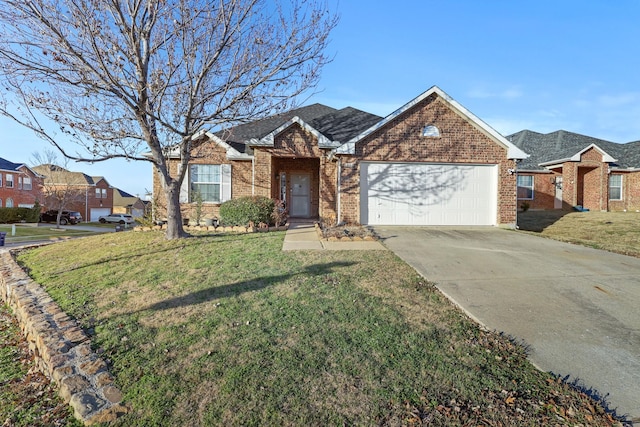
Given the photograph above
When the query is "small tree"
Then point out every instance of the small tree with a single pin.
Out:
(138, 79)
(60, 187)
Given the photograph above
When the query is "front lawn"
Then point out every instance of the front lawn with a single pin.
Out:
(230, 330)
(612, 231)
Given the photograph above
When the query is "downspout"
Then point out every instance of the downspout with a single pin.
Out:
(338, 184)
(253, 175)
(86, 204)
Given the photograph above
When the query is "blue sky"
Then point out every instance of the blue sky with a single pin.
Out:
(539, 65)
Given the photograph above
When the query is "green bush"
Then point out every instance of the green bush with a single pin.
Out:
(11, 215)
(244, 210)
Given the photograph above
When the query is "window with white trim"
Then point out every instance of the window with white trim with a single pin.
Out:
(525, 187)
(98, 193)
(615, 187)
(9, 179)
(26, 183)
(9, 203)
(212, 182)
(104, 193)
(206, 180)
(0, 203)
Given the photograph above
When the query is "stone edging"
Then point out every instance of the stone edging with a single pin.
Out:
(343, 238)
(62, 350)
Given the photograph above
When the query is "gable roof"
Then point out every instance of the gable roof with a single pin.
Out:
(561, 146)
(68, 177)
(9, 166)
(330, 129)
(513, 152)
(238, 136)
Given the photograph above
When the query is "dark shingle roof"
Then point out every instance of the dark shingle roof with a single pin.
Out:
(237, 136)
(561, 144)
(9, 166)
(344, 124)
(337, 125)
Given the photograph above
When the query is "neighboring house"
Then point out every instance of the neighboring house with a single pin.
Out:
(568, 170)
(92, 195)
(126, 203)
(431, 162)
(19, 185)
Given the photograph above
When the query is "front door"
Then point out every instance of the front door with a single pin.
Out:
(557, 203)
(300, 195)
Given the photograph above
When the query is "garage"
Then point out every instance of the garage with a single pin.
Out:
(98, 212)
(428, 194)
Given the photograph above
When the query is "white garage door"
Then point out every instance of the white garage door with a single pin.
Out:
(428, 194)
(96, 213)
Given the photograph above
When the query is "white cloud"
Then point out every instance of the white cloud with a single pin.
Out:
(509, 93)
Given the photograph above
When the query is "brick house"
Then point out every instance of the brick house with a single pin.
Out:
(20, 186)
(126, 203)
(431, 162)
(92, 196)
(568, 170)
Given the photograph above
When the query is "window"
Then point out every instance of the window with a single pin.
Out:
(98, 193)
(9, 179)
(0, 180)
(0, 203)
(525, 187)
(26, 183)
(212, 182)
(206, 180)
(9, 203)
(615, 187)
(19, 183)
(104, 193)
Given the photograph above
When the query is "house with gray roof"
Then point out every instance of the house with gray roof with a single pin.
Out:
(430, 162)
(567, 170)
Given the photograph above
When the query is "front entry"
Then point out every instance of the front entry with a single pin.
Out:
(300, 195)
(557, 203)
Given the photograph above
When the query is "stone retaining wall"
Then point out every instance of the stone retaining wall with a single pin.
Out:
(63, 351)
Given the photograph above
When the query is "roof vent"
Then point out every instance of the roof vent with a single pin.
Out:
(430, 131)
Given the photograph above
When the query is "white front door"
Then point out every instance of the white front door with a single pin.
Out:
(557, 203)
(300, 195)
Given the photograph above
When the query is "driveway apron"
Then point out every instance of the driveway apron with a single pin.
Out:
(577, 308)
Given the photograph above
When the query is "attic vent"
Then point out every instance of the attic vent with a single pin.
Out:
(430, 131)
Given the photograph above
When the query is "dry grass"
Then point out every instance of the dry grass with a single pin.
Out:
(612, 231)
(230, 330)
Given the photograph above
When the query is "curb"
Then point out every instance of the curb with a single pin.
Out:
(62, 350)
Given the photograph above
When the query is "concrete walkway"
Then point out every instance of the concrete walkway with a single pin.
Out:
(576, 307)
(303, 236)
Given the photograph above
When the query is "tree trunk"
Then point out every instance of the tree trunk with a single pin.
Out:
(175, 229)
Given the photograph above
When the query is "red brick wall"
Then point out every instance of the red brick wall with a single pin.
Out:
(630, 193)
(20, 195)
(208, 152)
(544, 191)
(459, 142)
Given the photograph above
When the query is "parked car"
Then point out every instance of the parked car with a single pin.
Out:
(67, 217)
(117, 218)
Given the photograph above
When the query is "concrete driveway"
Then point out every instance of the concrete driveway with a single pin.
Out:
(577, 308)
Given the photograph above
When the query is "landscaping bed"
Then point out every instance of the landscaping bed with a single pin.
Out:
(345, 232)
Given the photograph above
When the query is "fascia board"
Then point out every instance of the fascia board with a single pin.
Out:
(513, 152)
(605, 156)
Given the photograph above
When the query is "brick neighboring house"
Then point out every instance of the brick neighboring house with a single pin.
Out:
(567, 170)
(126, 203)
(430, 162)
(93, 196)
(20, 186)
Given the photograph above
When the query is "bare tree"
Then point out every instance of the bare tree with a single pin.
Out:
(60, 187)
(137, 79)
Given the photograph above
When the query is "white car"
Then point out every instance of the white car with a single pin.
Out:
(117, 218)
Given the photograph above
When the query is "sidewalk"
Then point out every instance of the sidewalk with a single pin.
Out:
(303, 236)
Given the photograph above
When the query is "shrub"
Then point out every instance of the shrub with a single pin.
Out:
(280, 213)
(10, 215)
(248, 209)
(525, 206)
